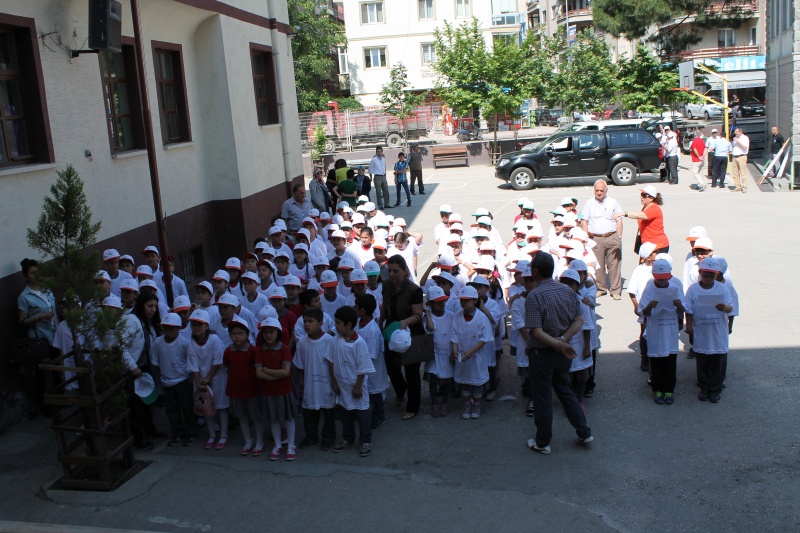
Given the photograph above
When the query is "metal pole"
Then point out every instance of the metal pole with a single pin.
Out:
(151, 151)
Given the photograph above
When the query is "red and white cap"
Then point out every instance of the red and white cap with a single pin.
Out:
(102, 275)
(276, 292)
(127, 258)
(270, 323)
(151, 250)
(238, 321)
(485, 262)
(110, 254)
(358, 218)
(252, 276)
(710, 264)
(696, 232)
(314, 213)
(301, 247)
(181, 303)
(662, 269)
(479, 281)
(274, 230)
(358, 276)
(172, 319)
(148, 283)
(267, 312)
(222, 275)
(249, 255)
(380, 244)
(281, 224)
(399, 221)
(281, 254)
(530, 249)
(453, 237)
(129, 284)
(112, 301)
(328, 279)
(468, 293)
(534, 233)
(579, 265)
(144, 270)
(487, 246)
(447, 261)
(303, 232)
(436, 294)
(205, 285)
(308, 221)
(233, 263)
(570, 274)
(228, 299)
(346, 224)
(338, 234)
(199, 315)
(445, 276)
(704, 243)
(453, 218)
(345, 263)
(292, 281)
(319, 260)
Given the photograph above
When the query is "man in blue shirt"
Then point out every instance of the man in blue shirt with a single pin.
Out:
(722, 149)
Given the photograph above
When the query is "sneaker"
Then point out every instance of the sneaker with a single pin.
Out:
(291, 453)
(444, 410)
(435, 410)
(701, 189)
(690, 355)
(658, 398)
(465, 410)
(529, 410)
(703, 396)
(408, 204)
(668, 399)
(544, 450)
(714, 398)
(584, 440)
(475, 412)
(306, 442)
(342, 445)
(365, 449)
(174, 440)
(490, 396)
(187, 441)
(588, 393)
(645, 365)
(422, 192)
(275, 453)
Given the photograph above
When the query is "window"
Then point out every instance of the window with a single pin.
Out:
(627, 138)
(588, 142)
(344, 66)
(372, 12)
(428, 53)
(24, 123)
(753, 35)
(375, 57)
(121, 93)
(171, 89)
(463, 10)
(191, 264)
(426, 9)
(264, 84)
(726, 38)
(504, 12)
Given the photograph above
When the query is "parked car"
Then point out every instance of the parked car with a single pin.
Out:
(622, 114)
(705, 109)
(620, 154)
(752, 107)
(603, 124)
(548, 117)
(667, 113)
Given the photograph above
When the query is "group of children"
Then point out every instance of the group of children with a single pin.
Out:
(292, 328)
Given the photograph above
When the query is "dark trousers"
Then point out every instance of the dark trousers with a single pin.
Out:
(643, 345)
(718, 175)
(439, 389)
(416, 175)
(311, 424)
(549, 371)
(349, 419)
(180, 409)
(711, 370)
(376, 405)
(411, 383)
(590, 384)
(662, 373)
(404, 185)
(672, 167)
(141, 418)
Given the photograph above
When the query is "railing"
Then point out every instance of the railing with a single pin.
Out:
(710, 53)
(560, 15)
(505, 19)
(720, 8)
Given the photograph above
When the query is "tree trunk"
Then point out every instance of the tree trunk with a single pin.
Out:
(494, 147)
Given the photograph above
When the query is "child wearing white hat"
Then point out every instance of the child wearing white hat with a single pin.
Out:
(471, 345)
(636, 284)
(438, 322)
(170, 354)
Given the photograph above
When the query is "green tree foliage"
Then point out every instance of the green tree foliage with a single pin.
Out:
(313, 48)
(587, 78)
(399, 101)
(646, 84)
(633, 19)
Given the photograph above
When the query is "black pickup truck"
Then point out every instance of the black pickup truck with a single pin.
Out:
(620, 154)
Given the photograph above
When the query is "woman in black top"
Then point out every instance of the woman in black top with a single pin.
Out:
(402, 302)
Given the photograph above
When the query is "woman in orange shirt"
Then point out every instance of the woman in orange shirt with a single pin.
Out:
(651, 219)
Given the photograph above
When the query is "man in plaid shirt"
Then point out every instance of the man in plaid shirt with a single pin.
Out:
(553, 316)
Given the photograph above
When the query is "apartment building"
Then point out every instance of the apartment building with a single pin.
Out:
(783, 73)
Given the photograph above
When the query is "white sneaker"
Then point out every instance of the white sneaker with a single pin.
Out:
(465, 411)
(544, 450)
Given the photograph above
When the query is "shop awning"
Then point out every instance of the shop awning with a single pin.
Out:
(740, 80)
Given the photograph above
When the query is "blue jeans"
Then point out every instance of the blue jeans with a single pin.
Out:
(405, 186)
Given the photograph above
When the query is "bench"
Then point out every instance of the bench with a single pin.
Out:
(450, 153)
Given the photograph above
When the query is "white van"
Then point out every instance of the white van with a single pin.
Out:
(603, 124)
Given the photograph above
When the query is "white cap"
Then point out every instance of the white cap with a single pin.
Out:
(275, 291)
(233, 262)
(650, 190)
(704, 243)
(338, 233)
(110, 254)
(399, 221)
(324, 216)
(380, 244)
(436, 294)
(522, 200)
(274, 229)
(270, 323)
(362, 199)
(723, 264)
(445, 208)
(667, 128)
(566, 201)
(102, 274)
(172, 319)
(346, 224)
(206, 285)
(292, 280)
(696, 232)
(308, 221)
(181, 303)
(304, 232)
(534, 233)
(525, 271)
(456, 226)
(144, 270)
(282, 253)
(380, 235)
(319, 260)
(129, 284)
(328, 279)
(665, 257)
(527, 204)
(571, 274)
(714, 130)
(369, 206)
(342, 205)
(486, 221)
(372, 268)
(239, 321)
(252, 276)
(579, 265)
(671, 135)
(313, 213)
(148, 283)
(445, 276)
(266, 312)
(485, 262)
(199, 315)
(710, 264)
(447, 260)
(337, 219)
(150, 249)
(454, 217)
(358, 218)
(228, 299)
(345, 263)
(481, 212)
(479, 280)
(559, 211)
(332, 227)
(222, 275)
(661, 269)
(646, 249)
(358, 276)
(395, 230)
(487, 246)
(578, 234)
(657, 135)
(361, 208)
(468, 293)
(453, 237)
(127, 258)
(480, 232)
(301, 247)
(530, 249)
(112, 301)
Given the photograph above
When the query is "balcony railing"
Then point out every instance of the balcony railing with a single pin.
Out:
(560, 15)
(720, 8)
(505, 19)
(710, 53)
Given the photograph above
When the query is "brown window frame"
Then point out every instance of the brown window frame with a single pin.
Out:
(132, 85)
(178, 83)
(34, 114)
(268, 114)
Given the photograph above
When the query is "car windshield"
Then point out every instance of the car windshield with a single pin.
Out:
(535, 147)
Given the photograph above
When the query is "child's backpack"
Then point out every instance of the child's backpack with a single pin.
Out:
(204, 403)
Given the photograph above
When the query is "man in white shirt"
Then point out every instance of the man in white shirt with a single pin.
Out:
(671, 152)
(598, 221)
(377, 171)
(710, 144)
(741, 147)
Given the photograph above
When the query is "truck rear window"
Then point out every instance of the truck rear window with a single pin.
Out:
(628, 138)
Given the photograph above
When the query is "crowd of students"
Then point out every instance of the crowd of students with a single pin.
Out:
(295, 327)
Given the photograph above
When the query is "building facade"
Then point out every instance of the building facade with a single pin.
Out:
(220, 80)
(783, 73)
(381, 33)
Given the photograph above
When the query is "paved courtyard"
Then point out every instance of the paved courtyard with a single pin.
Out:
(692, 466)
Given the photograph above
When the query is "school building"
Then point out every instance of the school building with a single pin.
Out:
(220, 79)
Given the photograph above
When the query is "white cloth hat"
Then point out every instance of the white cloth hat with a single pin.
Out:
(649, 190)
(646, 249)
(228, 299)
(181, 303)
(199, 315)
(222, 275)
(172, 319)
(110, 254)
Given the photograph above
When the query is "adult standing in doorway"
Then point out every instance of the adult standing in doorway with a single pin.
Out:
(415, 167)
(295, 209)
(377, 171)
(552, 317)
(741, 147)
(599, 222)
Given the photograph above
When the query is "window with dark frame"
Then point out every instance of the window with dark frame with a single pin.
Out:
(24, 125)
(265, 84)
(191, 265)
(172, 104)
(123, 110)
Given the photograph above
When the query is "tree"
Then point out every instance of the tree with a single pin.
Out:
(587, 78)
(646, 83)
(316, 38)
(634, 19)
(399, 101)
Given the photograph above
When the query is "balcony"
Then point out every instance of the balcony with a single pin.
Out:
(745, 9)
(713, 53)
(532, 5)
(506, 19)
(575, 15)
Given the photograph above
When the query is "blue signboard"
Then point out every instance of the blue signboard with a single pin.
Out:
(572, 34)
(736, 63)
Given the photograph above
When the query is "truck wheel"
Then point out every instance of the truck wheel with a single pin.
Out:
(330, 146)
(522, 179)
(394, 140)
(624, 174)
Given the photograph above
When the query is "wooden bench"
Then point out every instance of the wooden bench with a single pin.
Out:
(450, 153)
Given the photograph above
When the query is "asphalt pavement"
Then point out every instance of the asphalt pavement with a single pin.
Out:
(694, 466)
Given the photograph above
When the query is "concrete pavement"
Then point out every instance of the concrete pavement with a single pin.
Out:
(691, 466)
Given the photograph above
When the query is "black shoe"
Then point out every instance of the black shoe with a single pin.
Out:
(307, 442)
(645, 366)
(325, 446)
(396, 205)
(408, 204)
(703, 396)
(174, 441)
(422, 192)
(714, 398)
(588, 393)
(413, 193)
(143, 445)
(188, 441)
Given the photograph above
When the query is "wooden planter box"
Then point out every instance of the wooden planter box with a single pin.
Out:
(94, 448)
